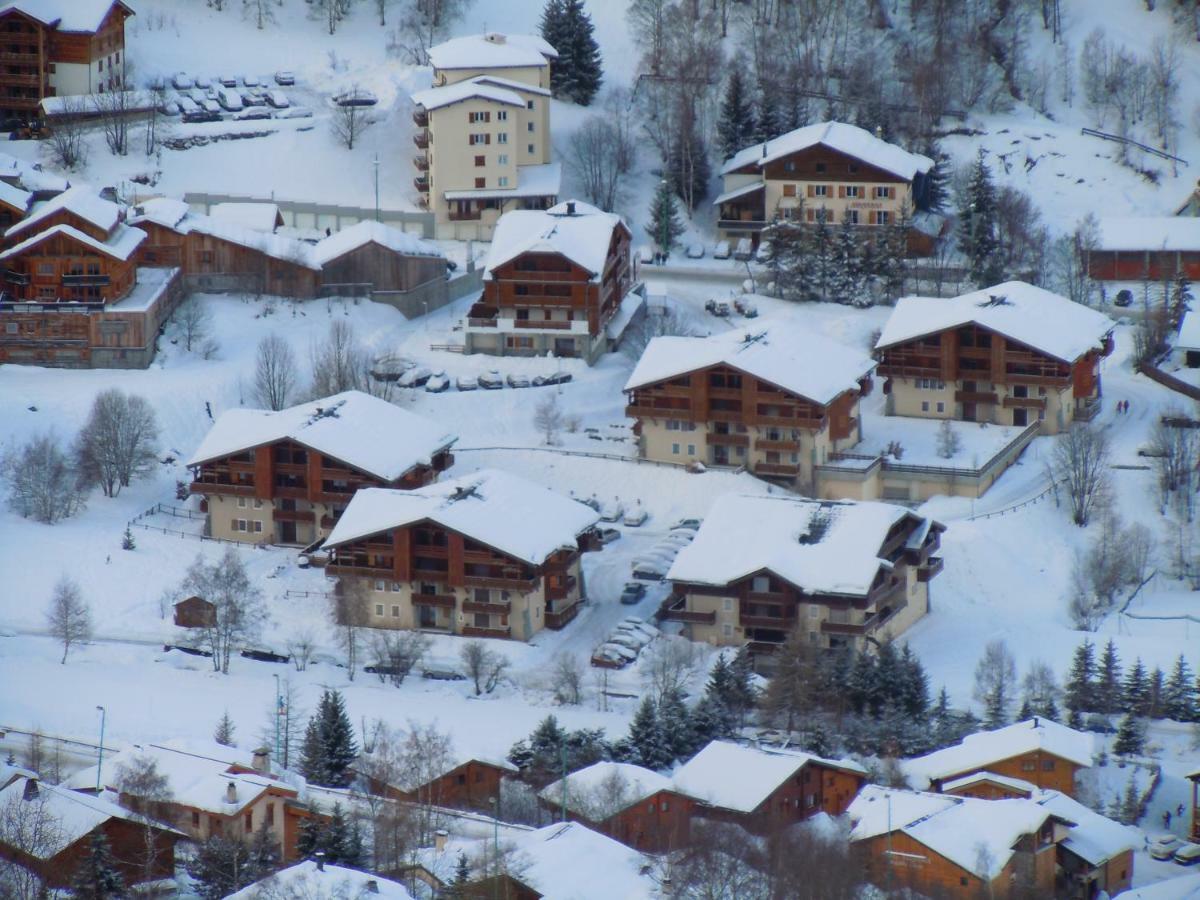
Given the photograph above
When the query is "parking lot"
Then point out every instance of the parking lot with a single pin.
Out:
(198, 98)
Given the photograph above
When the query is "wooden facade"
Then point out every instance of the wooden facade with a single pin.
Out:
(1194, 778)
(378, 269)
(985, 788)
(61, 268)
(471, 785)
(194, 612)
(1038, 767)
(1150, 264)
(658, 823)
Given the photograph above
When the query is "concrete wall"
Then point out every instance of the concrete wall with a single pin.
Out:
(303, 214)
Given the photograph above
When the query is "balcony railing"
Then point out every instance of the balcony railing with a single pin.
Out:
(674, 609)
(294, 515)
(1086, 409)
(741, 224)
(473, 215)
(494, 607)
(558, 618)
(421, 162)
(421, 183)
(931, 568)
(491, 631)
(1025, 402)
(561, 590)
(351, 569)
(730, 440)
(420, 117)
(69, 280)
(444, 601)
(9, 56)
(20, 78)
(974, 397)
(476, 322)
(14, 277)
(221, 487)
(542, 323)
(787, 446)
(776, 469)
(421, 139)
(504, 584)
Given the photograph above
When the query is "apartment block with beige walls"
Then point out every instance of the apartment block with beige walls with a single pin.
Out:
(484, 139)
(774, 398)
(839, 169)
(843, 574)
(284, 477)
(1011, 354)
(485, 555)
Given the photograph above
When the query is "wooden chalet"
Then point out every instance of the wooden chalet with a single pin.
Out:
(1153, 248)
(68, 821)
(838, 170)
(1011, 354)
(765, 791)
(989, 786)
(59, 47)
(1037, 751)
(761, 567)
(775, 399)
(630, 804)
(14, 204)
(555, 280)
(485, 555)
(195, 612)
(376, 259)
(471, 784)
(285, 477)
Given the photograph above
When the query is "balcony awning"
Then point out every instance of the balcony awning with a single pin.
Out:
(744, 191)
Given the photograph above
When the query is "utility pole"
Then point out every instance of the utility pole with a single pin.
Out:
(496, 847)
(100, 760)
(278, 715)
(562, 749)
(376, 187)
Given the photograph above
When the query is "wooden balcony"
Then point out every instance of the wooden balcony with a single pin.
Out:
(843, 628)
(784, 624)
(220, 487)
(492, 631)
(14, 277)
(356, 571)
(558, 618)
(1024, 402)
(785, 446)
(294, 515)
(504, 584)
(731, 440)
(494, 607)
(930, 569)
(725, 415)
(785, 469)
(473, 215)
(421, 139)
(741, 224)
(1086, 409)
(420, 117)
(556, 324)
(443, 601)
(673, 609)
(476, 322)
(975, 397)
(20, 78)
(421, 183)
(421, 162)
(561, 590)
(10, 56)
(290, 492)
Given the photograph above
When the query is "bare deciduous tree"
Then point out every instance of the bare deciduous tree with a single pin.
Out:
(350, 612)
(338, 363)
(995, 682)
(548, 418)
(238, 610)
(301, 646)
(68, 618)
(567, 677)
(720, 861)
(28, 827)
(948, 440)
(595, 156)
(425, 755)
(117, 442)
(670, 665)
(484, 666)
(1079, 464)
(194, 322)
(1175, 454)
(42, 482)
(147, 792)
(115, 109)
(274, 373)
(68, 129)
(397, 653)
(423, 23)
(283, 727)
(350, 120)
(260, 11)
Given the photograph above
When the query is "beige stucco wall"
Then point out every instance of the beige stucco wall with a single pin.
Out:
(787, 206)
(223, 510)
(906, 399)
(75, 78)
(539, 76)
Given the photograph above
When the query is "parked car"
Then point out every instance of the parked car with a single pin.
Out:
(229, 99)
(1188, 855)
(228, 81)
(198, 96)
(265, 656)
(646, 255)
(356, 97)
(689, 524)
(1163, 846)
(1124, 298)
(442, 675)
(187, 105)
(466, 383)
(559, 378)
(203, 82)
(286, 79)
(192, 651)
(718, 308)
(437, 383)
(517, 381)
(169, 108)
(608, 535)
(278, 99)
(253, 112)
(649, 570)
(201, 115)
(612, 511)
(251, 80)
(211, 106)
(253, 98)
(695, 251)
(294, 112)
(181, 81)
(744, 250)
(491, 381)
(678, 539)
(721, 251)
(764, 253)
(632, 593)
(417, 376)
(636, 516)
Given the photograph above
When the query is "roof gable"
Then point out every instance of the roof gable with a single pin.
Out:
(573, 230)
(983, 749)
(838, 136)
(79, 201)
(121, 244)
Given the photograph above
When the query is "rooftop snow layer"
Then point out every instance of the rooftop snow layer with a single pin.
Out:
(980, 750)
(368, 232)
(742, 191)
(485, 506)
(1186, 887)
(512, 85)
(744, 534)
(305, 879)
(605, 788)
(80, 200)
(786, 355)
(14, 196)
(362, 431)
(1016, 784)
(1189, 331)
(1150, 233)
(543, 180)
(71, 15)
(120, 244)
(848, 139)
(259, 216)
(492, 51)
(1093, 837)
(977, 835)
(31, 175)
(583, 237)
(163, 211)
(735, 777)
(1021, 312)
(437, 97)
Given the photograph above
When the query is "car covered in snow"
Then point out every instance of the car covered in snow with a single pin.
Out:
(294, 112)
(285, 79)
(517, 381)
(253, 112)
(695, 251)
(203, 82)
(169, 108)
(764, 253)
(744, 250)
(254, 98)
(211, 106)
(201, 115)
(608, 535)
(466, 383)
(437, 383)
(182, 81)
(636, 516)
(611, 511)
(1163, 846)
(228, 81)
(417, 376)
(230, 100)
(632, 593)
(491, 381)
(650, 568)
(355, 97)
(1188, 855)
(689, 524)
(251, 80)
(721, 250)
(187, 105)
(278, 99)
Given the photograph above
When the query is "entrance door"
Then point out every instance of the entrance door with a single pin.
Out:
(968, 412)
(564, 347)
(287, 533)
(1021, 416)
(427, 616)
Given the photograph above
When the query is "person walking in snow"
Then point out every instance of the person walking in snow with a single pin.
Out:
(1166, 818)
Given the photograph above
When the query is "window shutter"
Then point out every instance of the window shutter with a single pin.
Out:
(811, 191)
(841, 191)
(871, 217)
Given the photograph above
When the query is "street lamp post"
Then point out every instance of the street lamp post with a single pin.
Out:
(376, 187)
(100, 759)
(278, 713)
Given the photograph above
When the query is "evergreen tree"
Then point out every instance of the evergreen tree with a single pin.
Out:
(223, 734)
(791, 692)
(221, 867)
(735, 127)
(913, 695)
(977, 235)
(263, 852)
(790, 263)
(97, 877)
(1108, 682)
(339, 840)
(846, 283)
(862, 686)
(1129, 807)
(1135, 691)
(665, 227)
(1178, 703)
(711, 720)
(935, 193)
(821, 254)
(647, 743)
(675, 723)
(1181, 298)
(1131, 736)
(1081, 681)
(888, 680)
(329, 747)
(127, 541)
(312, 753)
(743, 695)
(458, 889)
(768, 119)
(1155, 694)
(577, 73)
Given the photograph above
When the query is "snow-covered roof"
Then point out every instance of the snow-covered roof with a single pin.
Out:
(259, 216)
(1186, 887)
(848, 139)
(70, 814)
(980, 750)
(1195, 774)
(1092, 837)
(742, 191)
(512, 85)
(784, 354)
(305, 879)
(409, 780)
(362, 431)
(368, 232)
(31, 175)
(976, 835)
(744, 534)
(516, 517)
(80, 200)
(437, 97)
(1189, 331)
(605, 788)
(70, 15)
(121, 243)
(14, 196)
(1021, 312)
(492, 50)
(735, 777)
(165, 211)
(631, 305)
(582, 236)
(542, 180)
(1149, 233)
(1020, 785)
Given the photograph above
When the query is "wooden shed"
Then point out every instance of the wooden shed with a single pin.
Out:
(195, 612)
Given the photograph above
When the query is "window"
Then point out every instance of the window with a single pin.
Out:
(480, 182)
(379, 609)
(1028, 765)
(675, 449)
(250, 820)
(395, 612)
(529, 127)
(502, 181)
(502, 115)
(728, 604)
(481, 160)
(529, 105)
(853, 190)
(502, 159)
(241, 502)
(924, 406)
(195, 819)
(761, 584)
(813, 612)
(885, 193)
(379, 587)
(257, 503)
(820, 190)
(789, 190)
(479, 117)
(100, 66)
(881, 217)
(672, 424)
(270, 814)
(852, 216)
(477, 139)
(819, 167)
(1047, 765)
(395, 587)
(257, 527)
(663, 806)
(691, 449)
(941, 407)
(241, 525)
(502, 137)
(206, 256)
(45, 268)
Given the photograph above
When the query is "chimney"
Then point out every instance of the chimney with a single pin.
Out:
(1035, 721)
(231, 793)
(372, 887)
(261, 761)
(495, 37)
(31, 789)
(764, 146)
(319, 859)
(879, 132)
(439, 840)
(570, 207)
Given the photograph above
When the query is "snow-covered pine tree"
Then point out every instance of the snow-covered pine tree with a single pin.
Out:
(977, 226)
(223, 733)
(312, 752)
(913, 695)
(821, 256)
(743, 695)
(1129, 803)
(127, 541)
(1181, 298)
(1135, 689)
(263, 851)
(97, 877)
(846, 281)
(935, 192)
(790, 693)
(1108, 681)
(861, 684)
(735, 127)
(1178, 702)
(665, 227)
(337, 738)
(554, 33)
(790, 262)
(646, 740)
(674, 721)
(577, 73)
(1131, 736)
(768, 121)
(1081, 681)
(220, 867)
(711, 720)
(1155, 694)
